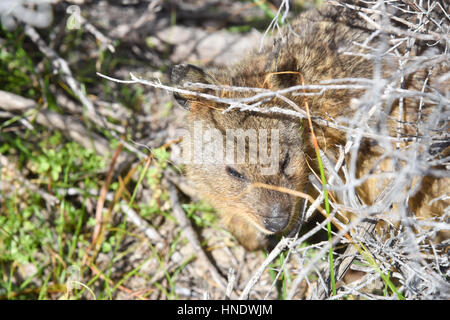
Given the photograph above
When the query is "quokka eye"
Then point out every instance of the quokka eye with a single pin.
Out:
(285, 163)
(235, 174)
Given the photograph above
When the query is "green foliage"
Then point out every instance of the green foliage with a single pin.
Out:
(54, 157)
(28, 234)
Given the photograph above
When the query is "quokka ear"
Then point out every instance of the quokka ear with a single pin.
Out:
(183, 73)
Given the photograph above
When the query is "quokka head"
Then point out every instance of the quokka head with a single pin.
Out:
(242, 162)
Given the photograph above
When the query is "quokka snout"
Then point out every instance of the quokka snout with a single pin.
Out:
(250, 198)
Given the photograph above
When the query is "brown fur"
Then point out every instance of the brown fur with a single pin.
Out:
(315, 54)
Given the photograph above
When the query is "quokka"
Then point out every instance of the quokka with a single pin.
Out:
(313, 50)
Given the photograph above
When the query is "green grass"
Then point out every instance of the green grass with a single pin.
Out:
(327, 209)
(41, 244)
(277, 272)
(40, 239)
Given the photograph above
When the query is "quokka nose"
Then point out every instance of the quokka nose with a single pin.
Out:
(277, 220)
